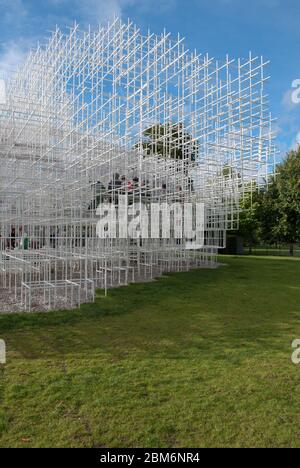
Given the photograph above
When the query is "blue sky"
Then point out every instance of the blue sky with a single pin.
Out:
(266, 27)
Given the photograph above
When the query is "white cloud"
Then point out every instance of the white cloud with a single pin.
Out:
(11, 57)
(99, 11)
(13, 14)
(289, 122)
(12, 11)
(16, 16)
(296, 141)
(287, 102)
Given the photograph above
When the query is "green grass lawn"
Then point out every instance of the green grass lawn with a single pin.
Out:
(196, 359)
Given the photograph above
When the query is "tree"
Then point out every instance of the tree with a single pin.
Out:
(283, 201)
(272, 214)
(170, 141)
(268, 214)
(249, 221)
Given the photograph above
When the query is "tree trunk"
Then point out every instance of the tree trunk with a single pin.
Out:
(250, 247)
(291, 250)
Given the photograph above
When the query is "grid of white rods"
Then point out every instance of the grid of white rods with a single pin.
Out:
(73, 135)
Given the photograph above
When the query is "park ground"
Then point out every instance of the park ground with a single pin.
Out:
(198, 359)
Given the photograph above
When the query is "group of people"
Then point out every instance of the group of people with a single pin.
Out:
(118, 185)
(121, 185)
(20, 241)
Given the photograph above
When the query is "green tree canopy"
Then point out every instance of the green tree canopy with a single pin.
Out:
(169, 140)
(272, 215)
(249, 223)
(282, 201)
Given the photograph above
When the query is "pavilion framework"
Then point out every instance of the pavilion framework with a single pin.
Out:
(93, 115)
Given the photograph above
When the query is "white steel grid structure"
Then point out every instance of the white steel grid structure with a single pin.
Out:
(96, 114)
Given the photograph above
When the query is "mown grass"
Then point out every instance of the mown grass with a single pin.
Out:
(196, 359)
